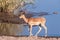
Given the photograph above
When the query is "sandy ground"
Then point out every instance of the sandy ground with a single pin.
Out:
(28, 38)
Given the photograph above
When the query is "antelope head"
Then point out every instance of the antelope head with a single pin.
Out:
(21, 16)
(22, 13)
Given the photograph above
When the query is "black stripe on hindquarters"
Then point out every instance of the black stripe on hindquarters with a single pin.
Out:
(40, 25)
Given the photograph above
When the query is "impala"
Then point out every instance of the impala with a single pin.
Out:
(35, 21)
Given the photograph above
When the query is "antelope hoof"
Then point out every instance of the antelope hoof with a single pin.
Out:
(45, 35)
(31, 35)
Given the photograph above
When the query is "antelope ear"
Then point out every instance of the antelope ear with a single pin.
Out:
(22, 12)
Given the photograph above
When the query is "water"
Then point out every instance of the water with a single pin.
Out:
(53, 21)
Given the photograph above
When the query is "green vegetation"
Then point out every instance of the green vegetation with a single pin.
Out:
(8, 6)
